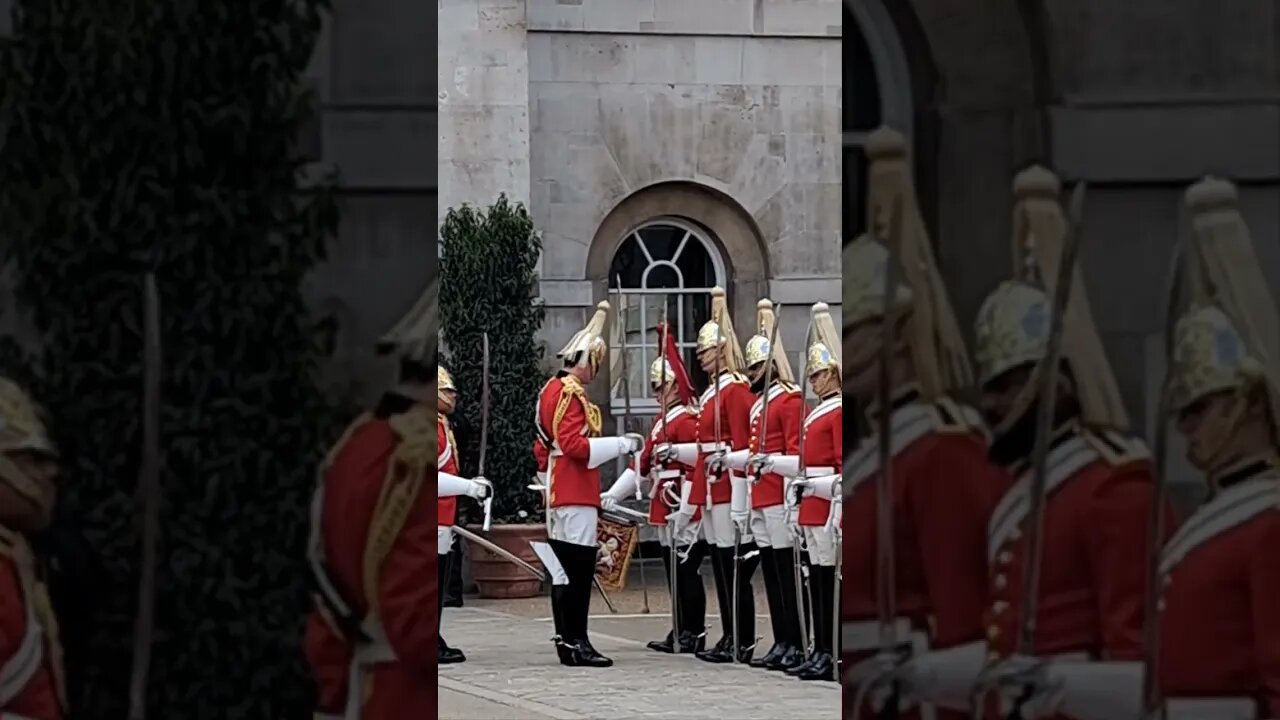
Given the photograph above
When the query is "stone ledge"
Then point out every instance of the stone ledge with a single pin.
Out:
(1167, 143)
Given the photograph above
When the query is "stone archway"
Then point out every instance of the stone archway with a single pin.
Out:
(727, 224)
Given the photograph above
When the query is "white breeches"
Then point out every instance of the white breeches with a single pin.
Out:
(575, 524)
(822, 546)
(444, 539)
(771, 528)
(688, 536)
(717, 526)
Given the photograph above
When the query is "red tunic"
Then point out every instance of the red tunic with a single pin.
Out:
(39, 698)
(782, 437)
(406, 583)
(823, 448)
(733, 403)
(680, 426)
(1220, 624)
(566, 422)
(446, 460)
(943, 491)
(1096, 513)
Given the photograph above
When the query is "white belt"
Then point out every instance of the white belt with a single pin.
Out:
(668, 474)
(819, 471)
(713, 447)
(1234, 708)
(366, 655)
(857, 636)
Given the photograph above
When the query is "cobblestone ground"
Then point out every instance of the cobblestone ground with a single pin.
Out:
(512, 673)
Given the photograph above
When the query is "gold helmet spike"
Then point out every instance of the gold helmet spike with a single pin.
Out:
(588, 346)
(21, 430)
(1039, 234)
(824, 351)
(1230, 336)
(414, 338)
(444, 379)
(758, 348)
(718, 331)
(933, 333)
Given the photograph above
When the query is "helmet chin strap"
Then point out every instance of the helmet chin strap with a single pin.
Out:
(1217, 439)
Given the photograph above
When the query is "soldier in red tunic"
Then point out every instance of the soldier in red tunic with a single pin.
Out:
(1098, 489)
(943, 485)
(1219, 633)
(570, 452)
(369, 637)
(820, 466)
(449, 487)
(723, 426)
(31, 679)
(670, 507)
(769, 516)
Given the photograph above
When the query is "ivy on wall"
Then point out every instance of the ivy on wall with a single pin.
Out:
(162, 136)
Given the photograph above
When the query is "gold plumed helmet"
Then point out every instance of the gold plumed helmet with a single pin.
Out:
(588, 346)
(1013, 324)
(824, 349)
(21, 430)
(758, 348)
(933, 333)
(444, 379)
(1229, 338)
(718, 332)
(414, 338)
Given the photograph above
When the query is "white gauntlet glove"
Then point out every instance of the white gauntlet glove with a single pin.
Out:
(481, 488)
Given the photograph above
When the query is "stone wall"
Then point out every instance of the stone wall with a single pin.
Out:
(1140, 99)
(737, 96)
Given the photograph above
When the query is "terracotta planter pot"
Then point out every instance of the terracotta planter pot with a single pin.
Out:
(502, 579)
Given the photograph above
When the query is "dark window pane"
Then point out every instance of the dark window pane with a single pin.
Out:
(864, 111)
(855, 193)
(695, 264)
(630, 263)
(663, 276)
(662, 240)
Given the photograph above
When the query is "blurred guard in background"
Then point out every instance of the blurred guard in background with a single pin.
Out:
(31, 680)
(373, 544)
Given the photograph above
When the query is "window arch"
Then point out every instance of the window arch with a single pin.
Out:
(876, 65)
(664, 268)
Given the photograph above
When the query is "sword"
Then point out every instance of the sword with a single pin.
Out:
(886, 585)
(1151, 695)
(484, 430)
(675, 548)
(626, 424)
(1046, 378)
(149, 490)
(802, 572)
(531, 569)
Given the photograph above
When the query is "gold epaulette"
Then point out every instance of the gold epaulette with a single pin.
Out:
(1116, 448)
(571, 388)
(952, 418)
(417, 444)
(789, 386)
(740, 378)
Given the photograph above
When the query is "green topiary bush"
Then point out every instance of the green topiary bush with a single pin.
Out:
(163, 136)
(489, 283)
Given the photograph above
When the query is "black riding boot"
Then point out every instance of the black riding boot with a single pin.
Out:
(746, 568)
(668, 645)
(768, 562)
(561, 600)
(582, 582)
(693, 601)
(445, 655)
(792, 611)
(822, 665)
(721, 567)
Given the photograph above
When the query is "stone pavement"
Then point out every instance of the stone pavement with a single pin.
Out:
(512, 673)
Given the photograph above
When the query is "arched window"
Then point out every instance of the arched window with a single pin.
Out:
(665, 269)
(876, 65)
